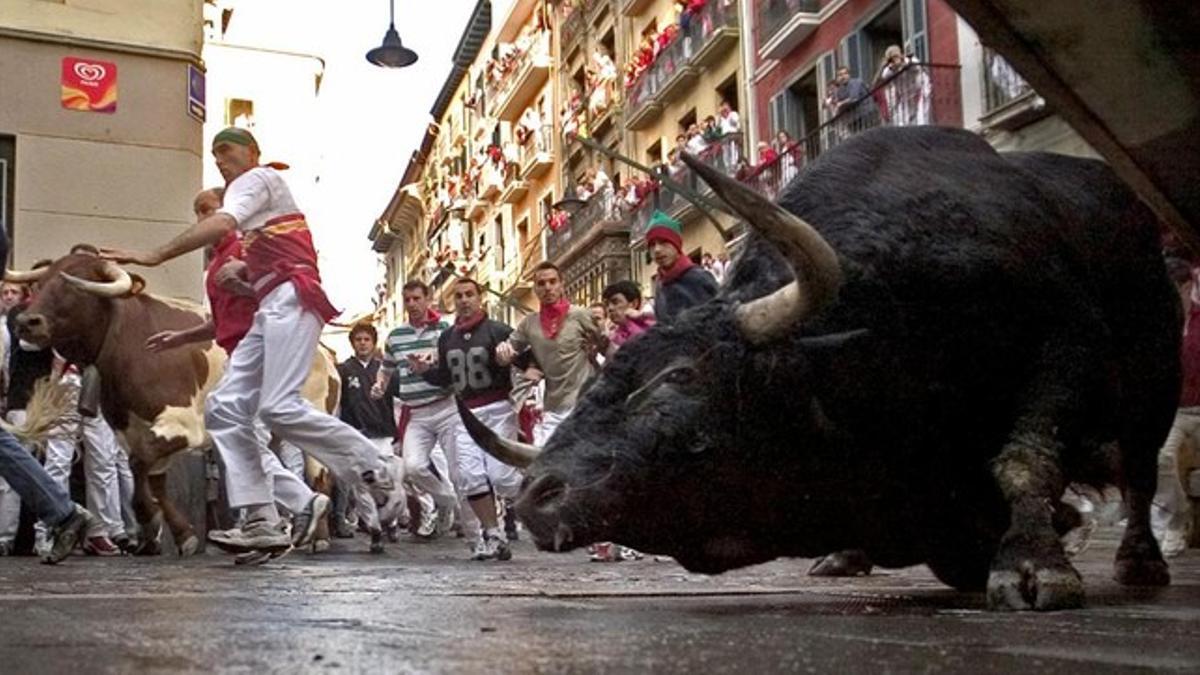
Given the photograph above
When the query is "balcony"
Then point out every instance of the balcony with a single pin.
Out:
(530, 73)
(677, 73)
(574, 26)
(634, 7)
(716, 34)
(784, 24)
(537, 153)
(1009, 102)
(724, 154)
(476, 208)
(491, 181)
(919, 94)
(599, 215)
(709, 35)
(514, 191)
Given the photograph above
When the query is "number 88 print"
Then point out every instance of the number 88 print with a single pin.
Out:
(470, 370)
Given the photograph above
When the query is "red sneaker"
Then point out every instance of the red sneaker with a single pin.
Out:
(101, 546)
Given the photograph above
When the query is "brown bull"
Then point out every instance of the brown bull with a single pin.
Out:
(93, 312)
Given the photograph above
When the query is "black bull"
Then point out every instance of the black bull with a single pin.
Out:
(966, 334)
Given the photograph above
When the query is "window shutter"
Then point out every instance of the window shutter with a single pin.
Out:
(916, 36)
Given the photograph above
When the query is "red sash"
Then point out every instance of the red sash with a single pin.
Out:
(282, 250)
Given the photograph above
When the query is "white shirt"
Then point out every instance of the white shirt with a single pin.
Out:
(257, 196)
(729, 123)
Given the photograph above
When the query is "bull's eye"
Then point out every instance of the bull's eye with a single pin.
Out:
(685, 375)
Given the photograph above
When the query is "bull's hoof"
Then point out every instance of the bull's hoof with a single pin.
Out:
(189, 547)
(320, 545)
(1140, 563)
(1030, 587)
(850, 563)
(1141, 572)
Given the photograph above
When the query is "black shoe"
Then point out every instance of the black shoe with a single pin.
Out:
(377, 541)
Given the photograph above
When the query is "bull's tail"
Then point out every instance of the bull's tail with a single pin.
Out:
(48, 405)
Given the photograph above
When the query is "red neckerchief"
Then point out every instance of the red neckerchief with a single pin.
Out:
(672, 274)
(552, 317)
(463, 325)
(431, 318)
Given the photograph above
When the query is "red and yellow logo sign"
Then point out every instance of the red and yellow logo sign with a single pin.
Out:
(89, 85)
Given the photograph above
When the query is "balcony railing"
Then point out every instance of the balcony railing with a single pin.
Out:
(724, 154)
(1009, 102)
(501, 92)
(919, 94)
(537, 152)
(574, 25)
(600, 211)
(677, 64)
(783, 24)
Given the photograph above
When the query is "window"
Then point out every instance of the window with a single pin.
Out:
(728, 91)
(916, 38)
(498, 237)
(8, 156)
(654, 154)
(239, 112)
(687, 120)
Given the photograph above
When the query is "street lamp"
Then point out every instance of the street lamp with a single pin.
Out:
(392, 54)
(571, 203)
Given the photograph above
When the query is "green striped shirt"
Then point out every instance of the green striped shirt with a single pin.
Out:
(401, 342)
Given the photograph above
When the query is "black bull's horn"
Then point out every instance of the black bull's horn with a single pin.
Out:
(813, 260)
(510, 452)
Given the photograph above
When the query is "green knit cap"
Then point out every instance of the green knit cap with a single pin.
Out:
(236, 136)
(665, 228)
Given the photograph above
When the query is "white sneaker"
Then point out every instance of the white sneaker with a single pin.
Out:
(491, 546)
(445, 519)
(1175, 542)
(428, 529)
(257, 535)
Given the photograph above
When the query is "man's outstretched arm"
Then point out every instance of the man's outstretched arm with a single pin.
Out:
(204, 233)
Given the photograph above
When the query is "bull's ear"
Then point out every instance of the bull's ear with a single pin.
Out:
(139, 284)
(834, 340)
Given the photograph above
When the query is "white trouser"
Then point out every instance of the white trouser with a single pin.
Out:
(550, 421)
(430, 426)
(126, 486)
(292, 458)
(100, 458)
(263, 379)
(10, 501)
(396, 506)
(1172, 508)
(290, 491)
(479, 472)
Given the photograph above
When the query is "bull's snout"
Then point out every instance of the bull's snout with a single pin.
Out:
(33, 327)
(540, 508)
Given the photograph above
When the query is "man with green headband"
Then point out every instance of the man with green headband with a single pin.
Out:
(267, 368)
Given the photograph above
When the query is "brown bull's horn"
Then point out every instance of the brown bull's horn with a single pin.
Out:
(119, 282)
(814, 262)
(513, 453)
(15, 277)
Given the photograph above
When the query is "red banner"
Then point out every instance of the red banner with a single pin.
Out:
(89, 85)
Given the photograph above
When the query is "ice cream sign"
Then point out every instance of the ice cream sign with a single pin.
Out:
(89, 85)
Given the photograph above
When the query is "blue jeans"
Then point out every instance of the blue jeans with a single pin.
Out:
(50, 503)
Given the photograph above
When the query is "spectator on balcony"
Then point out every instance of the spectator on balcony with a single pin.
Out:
(601, 183)
(695, 139)
(710, 131)
(894, 61)
(606, 70)
(727, 119)
(853, 97)
(766, 154)
(681, 283)
(529, 127)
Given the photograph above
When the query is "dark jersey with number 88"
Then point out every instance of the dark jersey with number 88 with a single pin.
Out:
(467, 364)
